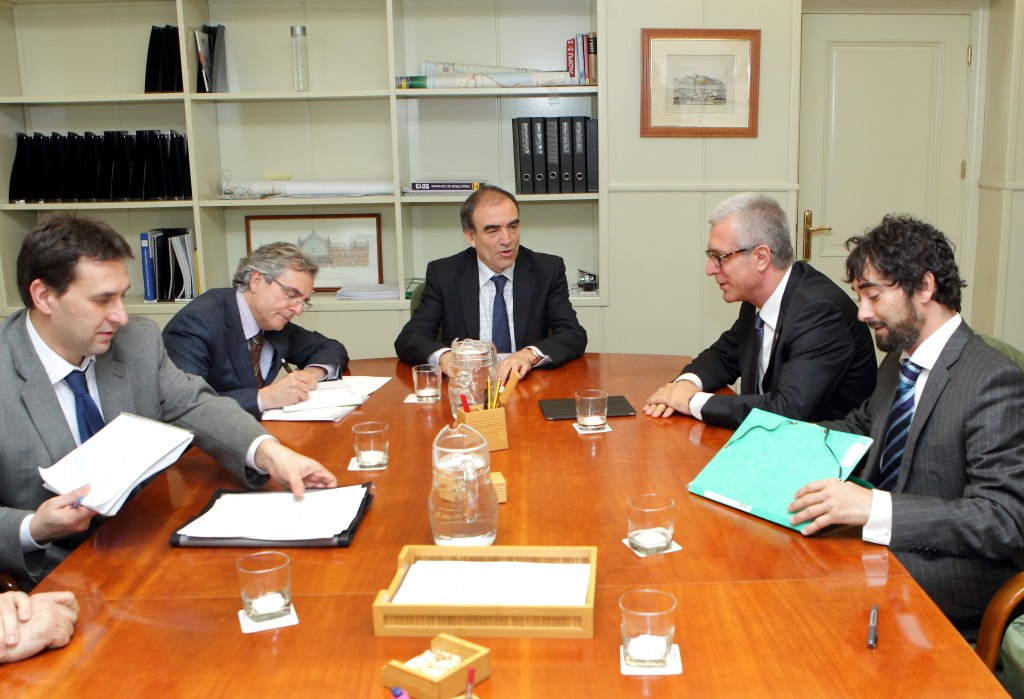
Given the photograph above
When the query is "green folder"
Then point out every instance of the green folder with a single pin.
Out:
(769, 458)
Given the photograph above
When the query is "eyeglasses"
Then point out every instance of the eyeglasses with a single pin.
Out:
(294, 296)
(719, 257)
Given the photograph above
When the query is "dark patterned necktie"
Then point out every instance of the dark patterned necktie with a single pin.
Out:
(255, 351)
(501, 336)
(759, 332)
(89, 419)
(900, 416)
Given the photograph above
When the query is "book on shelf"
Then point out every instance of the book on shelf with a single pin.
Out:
(443, 187)
(522, 155)
(211, 68)
(533, 78)
(592, 57)
(146, 260)
(581, 58)
(440, 68)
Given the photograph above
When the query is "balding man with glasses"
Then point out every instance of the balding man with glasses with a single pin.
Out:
(239, 339)
(797, 347)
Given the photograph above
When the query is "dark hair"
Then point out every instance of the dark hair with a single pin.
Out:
(51, 251)
(486, 191)
(902, 249)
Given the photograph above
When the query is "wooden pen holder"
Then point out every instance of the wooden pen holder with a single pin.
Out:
(489, 423)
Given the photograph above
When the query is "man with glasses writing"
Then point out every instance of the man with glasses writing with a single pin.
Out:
(796, 347)
(238, 339)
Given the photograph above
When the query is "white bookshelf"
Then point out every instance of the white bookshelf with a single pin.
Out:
(79, 66)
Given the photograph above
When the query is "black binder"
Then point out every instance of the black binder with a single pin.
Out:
(523, 155)
(551, 146)
(565, 154)
(592, 155)
(341, 539)
(579, 154)
(20, 169)
(540, 162)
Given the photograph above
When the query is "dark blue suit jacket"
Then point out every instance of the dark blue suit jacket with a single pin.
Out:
(205, 338)
(822, 363)
(542, 314)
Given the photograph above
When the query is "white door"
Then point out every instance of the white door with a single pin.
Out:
(883, 127)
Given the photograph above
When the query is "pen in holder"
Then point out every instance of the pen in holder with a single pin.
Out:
(489, 423)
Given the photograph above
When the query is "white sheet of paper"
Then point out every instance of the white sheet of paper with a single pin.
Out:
(315, 415)
(128, 450)
(505, 583)
(278, 516)
(330, 394)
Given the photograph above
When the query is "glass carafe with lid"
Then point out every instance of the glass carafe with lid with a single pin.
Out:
(463, 505)
(474, 367)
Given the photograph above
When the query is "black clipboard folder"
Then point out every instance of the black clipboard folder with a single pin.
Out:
(342, 539)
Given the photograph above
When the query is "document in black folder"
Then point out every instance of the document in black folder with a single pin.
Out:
(327, 517)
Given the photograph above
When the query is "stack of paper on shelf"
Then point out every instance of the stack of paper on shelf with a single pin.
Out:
(368, 292)
(126, 452)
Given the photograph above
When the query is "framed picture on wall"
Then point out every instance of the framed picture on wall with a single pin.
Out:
(346, 246)
(699, 82)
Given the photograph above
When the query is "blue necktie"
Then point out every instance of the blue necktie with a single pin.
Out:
(900, 416)
(89, 419)
(755, 372)
(501, 336)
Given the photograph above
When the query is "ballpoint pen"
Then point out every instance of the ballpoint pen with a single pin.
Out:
(873, 627)
(469, 682)
(284, 363)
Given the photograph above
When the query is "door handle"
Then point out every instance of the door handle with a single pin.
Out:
(810, 229)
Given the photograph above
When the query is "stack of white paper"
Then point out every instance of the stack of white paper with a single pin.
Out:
(330, 400)
(321, 514)
(368, 291)
(126, 452)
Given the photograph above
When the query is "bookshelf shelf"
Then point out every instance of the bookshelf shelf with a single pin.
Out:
(352, 125)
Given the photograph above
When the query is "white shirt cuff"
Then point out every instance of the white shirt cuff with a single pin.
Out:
(692, 378)
(699, 399)
(250, 456)
(28, 544)
(878, 529)
(544, 359)
(435, 358)
(331, 369)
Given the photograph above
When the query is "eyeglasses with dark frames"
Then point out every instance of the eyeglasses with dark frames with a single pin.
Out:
(294, 296)
(719, 257)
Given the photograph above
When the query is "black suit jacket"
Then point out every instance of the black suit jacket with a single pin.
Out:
(958, 504)
(205, 338)
(542, 313)
(822, 363)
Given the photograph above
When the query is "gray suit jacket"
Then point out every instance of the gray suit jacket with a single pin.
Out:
(958, 504)
(134, 376)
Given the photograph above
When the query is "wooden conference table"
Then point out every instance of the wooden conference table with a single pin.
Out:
(762, 611)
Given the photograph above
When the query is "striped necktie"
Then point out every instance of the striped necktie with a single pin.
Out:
(900, 416)
(255, 354)
(501, 335)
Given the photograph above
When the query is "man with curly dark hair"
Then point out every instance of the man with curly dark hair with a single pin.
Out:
(946, 418)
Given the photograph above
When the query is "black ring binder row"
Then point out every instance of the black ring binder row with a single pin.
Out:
(117, 166)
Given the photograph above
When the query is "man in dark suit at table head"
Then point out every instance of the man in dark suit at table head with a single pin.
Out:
(237, 339)
(946, 418)
(497, 291)
(796, 347)
(72, 361)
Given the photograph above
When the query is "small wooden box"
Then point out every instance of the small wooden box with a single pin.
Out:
(420, 685)
(500, 486)
(550, 621)
(489, 423)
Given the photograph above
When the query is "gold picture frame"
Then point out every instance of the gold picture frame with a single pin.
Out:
(347, 246)
(700, 82)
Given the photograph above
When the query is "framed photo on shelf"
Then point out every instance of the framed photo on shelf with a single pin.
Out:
(346, 246)
(699, 82)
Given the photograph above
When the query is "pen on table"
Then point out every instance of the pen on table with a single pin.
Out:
(873, 627)
(469, 681)
(284, 363)
(76, 504)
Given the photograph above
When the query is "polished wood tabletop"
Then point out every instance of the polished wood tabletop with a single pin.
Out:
(762, 610)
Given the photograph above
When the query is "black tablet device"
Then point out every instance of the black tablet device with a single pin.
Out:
(565, 408)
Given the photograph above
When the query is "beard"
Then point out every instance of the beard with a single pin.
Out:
(901, 334)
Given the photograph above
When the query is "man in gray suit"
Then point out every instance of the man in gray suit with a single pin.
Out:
(946, 419)
(72, 361)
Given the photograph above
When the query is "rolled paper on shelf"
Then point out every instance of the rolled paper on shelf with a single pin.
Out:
(308, 188)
